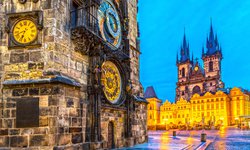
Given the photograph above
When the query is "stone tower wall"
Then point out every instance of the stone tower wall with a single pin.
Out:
(62, 107)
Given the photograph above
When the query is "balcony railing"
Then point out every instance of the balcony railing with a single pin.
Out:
(82, 17)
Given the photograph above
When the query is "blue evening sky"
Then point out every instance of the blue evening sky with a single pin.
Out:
(162, 25)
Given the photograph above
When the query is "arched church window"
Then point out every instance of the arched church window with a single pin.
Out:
(211, 66)
(183, 72)
(196, 89)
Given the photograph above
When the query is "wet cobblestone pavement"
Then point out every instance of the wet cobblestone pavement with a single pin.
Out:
(225, 139)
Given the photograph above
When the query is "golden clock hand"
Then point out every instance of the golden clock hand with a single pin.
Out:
(19, 33)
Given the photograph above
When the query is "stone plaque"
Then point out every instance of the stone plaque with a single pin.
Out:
(27, 112)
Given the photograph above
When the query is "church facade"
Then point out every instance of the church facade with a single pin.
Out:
(194, 77)
(69, 73)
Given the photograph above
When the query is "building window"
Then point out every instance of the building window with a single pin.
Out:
(222, 99)
(183, 93)
(222, 106)
(211, 84)
(208, 106)
(208, 114)
(212, 106)
(196, 89)
(183, 72)
(211, 66)
(217, 106)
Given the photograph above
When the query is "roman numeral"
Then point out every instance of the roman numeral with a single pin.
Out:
(25, 23)
(32, 35)
(32, 27)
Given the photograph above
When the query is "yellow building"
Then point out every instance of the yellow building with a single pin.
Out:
(240, 105)
(224, 107)
(210, 108)
(153, 116)
(176, 113)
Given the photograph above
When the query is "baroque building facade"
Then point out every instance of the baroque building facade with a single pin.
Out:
(192, 77)
(223, 108)
(70, 74)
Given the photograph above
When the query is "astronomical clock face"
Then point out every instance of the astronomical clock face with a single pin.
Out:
(111, 81)
(24, 31)
(109, 24)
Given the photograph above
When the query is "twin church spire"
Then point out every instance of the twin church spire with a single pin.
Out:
(212, 46)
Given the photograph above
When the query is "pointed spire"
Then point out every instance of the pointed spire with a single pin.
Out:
(192, 56)
(184, 49)
(177, 57)
(203, 52)
(211, 35)
(212, 42)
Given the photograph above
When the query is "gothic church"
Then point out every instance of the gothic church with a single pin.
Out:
(194, 77)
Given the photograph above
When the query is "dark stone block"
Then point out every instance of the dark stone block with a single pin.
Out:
(34, 91)
(61, 130)
(46, 91)
(1, 106)
(19, 57)
(7, 123)
(14, 131)
(76, 138)
(13, 113)
(35, 66)
(18, 141)
(56, 90)
(20, 92)
(44, 111)
(3, 132)
(39, 140)
(35, 56)
(75, 130)
(10, 105)
(53, 101)
(6, 113)
(70, 102)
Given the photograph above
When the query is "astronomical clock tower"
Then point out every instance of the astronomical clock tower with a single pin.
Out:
(69, 74)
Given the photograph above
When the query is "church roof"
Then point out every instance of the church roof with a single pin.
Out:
(150, 93)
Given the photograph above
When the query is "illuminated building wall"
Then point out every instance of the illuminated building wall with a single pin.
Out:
(225, 107)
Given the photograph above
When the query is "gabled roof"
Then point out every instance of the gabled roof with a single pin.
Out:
(150, 93)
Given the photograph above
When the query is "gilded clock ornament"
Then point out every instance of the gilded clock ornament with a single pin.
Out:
(111, 81)
(196, 68)
(24, 31)
(109, 24)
